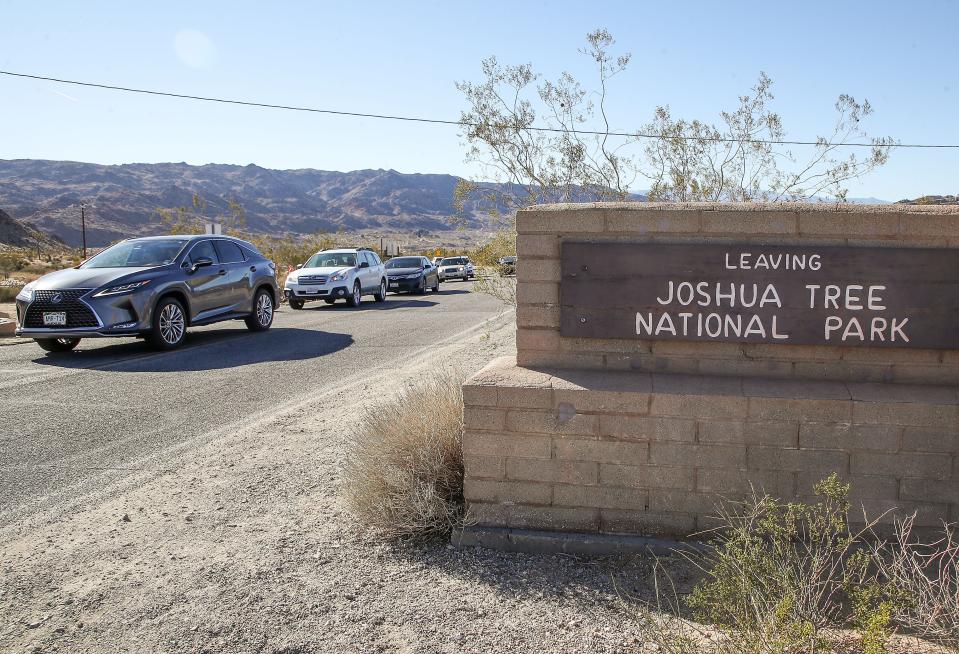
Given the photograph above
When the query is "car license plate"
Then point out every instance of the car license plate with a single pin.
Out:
(54, 318)
(394, 284)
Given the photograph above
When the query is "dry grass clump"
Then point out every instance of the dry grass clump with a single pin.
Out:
(926, 575)
(404, 472)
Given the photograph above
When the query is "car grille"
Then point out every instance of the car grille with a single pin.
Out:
(311, 280)
(78, 313)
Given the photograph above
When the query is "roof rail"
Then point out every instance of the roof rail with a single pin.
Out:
(367, 249)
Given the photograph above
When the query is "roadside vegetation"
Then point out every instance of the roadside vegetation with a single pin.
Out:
(403, 475)
(797, 577)
(591, 155)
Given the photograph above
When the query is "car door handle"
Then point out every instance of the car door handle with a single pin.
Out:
(222, 272)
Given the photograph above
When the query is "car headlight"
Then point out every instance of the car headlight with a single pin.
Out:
(290, 279)
(26, 293)
(123, 288)
(340, 276)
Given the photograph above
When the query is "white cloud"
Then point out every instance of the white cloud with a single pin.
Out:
(194, 48)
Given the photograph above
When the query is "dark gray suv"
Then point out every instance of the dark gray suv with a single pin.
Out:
(153, 288)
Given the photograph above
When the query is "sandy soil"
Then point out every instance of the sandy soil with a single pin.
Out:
(247, 548)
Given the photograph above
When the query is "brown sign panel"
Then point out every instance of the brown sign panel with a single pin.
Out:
(844, 296)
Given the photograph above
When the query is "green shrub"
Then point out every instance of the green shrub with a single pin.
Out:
(8, 293)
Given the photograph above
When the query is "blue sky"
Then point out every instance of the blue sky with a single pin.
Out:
(403, 58)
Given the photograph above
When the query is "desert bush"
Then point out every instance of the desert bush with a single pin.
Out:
(782, 578)
(8, 293)
(404, 472)
(925, 576)
(496, 281)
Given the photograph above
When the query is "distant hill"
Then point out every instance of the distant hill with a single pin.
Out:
(122, 200)
(15, 234)
(932, 199)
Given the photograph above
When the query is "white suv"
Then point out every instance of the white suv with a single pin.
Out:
(456, 268)
(331, 275)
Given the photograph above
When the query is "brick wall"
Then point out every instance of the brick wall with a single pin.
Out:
(627, 452)
(644, 437)
(541, 230)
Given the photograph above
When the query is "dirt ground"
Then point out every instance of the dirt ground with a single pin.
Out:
(246, 548)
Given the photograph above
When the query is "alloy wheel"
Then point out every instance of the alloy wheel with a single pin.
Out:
(172, 324)
(356, 294)
(264, 309)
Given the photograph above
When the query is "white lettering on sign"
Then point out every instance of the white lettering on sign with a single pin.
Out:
(711, 325)
(705, 294)
(735, 296)
(764, 261)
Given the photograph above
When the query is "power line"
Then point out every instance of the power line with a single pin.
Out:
(439, 121)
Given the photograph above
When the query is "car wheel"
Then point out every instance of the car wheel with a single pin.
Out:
(297, 304)
(422, 289)
(356, 296)
(169, 325)
(466, 278)
(436, 286)
(58, 344)
(381, 296)
(262, 316)
(329, 300)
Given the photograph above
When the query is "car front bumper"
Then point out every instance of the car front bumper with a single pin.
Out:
(405, 284)
(319, 292)
(127, 314)
(453, 274)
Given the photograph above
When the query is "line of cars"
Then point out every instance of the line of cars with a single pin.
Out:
(156, 287)
(350, 274)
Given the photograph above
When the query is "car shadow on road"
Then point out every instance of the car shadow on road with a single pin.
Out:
(206, 350)
(393, 302)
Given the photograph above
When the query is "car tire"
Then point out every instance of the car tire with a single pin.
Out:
(381, 296)
(329, 300)
(169, 324)
(466, 278)
(296, 304)
(422, 289)
(356, 297)
(58, 344)
(263, 310)
(436, 286)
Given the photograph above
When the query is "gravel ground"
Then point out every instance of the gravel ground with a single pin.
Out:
(246, 548)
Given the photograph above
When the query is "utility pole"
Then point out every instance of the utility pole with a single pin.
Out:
(83, 229)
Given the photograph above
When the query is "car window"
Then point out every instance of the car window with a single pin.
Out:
(137, 253)
(375, 258)
(201, 250)
(369, 259)
(331, 259)
(228, 252)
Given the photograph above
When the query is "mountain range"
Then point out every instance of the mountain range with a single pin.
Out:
(122, 200)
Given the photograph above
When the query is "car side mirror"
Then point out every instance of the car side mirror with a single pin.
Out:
(364, 264)
(202, 262)
(299, 265)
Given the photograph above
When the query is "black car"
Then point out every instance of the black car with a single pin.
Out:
(412, 274)
(152, 288)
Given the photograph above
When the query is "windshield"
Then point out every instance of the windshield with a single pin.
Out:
(331, 260)
(405, 262)
(138, 254)
(454, 261)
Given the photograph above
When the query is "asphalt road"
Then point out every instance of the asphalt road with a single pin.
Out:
(76, 423)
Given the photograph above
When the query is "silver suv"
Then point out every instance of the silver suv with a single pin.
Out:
(342, 274)
(153, 288)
